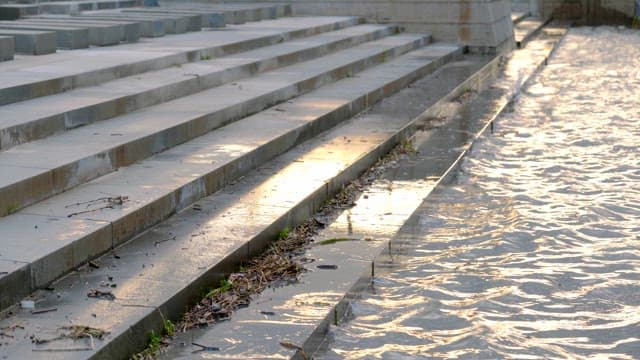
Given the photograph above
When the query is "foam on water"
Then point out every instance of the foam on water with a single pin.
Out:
(534, 250)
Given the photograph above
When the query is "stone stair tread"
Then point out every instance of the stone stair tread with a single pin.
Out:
(18, 120)
(34, 77)
(172, 180)
(157, 276)
(85, 153)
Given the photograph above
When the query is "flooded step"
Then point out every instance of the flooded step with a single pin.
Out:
(517, 17)
(7, 47)
(38, 118)
(51, 74)
(37, 170)
(67, 37)
(201, 243)
(32, 42)
(526, 29)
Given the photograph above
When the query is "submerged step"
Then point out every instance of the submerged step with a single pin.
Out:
(32, 42)
(208, 239)
(69, 159)
(172, 180)
(38, 118)
(60, 72)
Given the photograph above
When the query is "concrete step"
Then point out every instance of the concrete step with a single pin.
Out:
(67, 160)
(69, 7)
(236, 13)
(7, 47)
(55, 73)
(99, 34)
(194, 21)
(129, 31)
(149, 26)
(16, 11)
(38, 118)
(526, 29)
(67, 37)
(195, 248)
(198, 19)
(32, 42)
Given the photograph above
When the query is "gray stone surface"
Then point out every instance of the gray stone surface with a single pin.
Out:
(32, 42)
(16, 11)
(208, 18)
(129, 31)
(205, 243)
(32, 78)
(194, 21)
(7, 46)
(66, 37)
(99, 34)
(65, 161)
(74, 7)
(38, 118)
(149, 27)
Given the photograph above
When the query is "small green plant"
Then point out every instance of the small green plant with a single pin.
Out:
(284, 233)
(635, 24)
(205, 57)
(169, 328)
(154, 341)
(225, 285)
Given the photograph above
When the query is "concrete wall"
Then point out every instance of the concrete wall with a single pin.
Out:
(590, 12)
(484, 25)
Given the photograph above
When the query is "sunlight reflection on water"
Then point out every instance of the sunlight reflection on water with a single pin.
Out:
(534, 251)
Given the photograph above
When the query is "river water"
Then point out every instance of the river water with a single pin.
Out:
(533, 251)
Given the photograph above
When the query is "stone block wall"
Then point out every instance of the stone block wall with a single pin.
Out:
(589, 12)
(483, 25)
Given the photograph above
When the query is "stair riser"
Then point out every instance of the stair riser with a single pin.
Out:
(45, 127)
(54, 86)
(63, 178)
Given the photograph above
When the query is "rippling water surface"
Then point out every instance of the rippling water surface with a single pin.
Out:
(534, 251)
